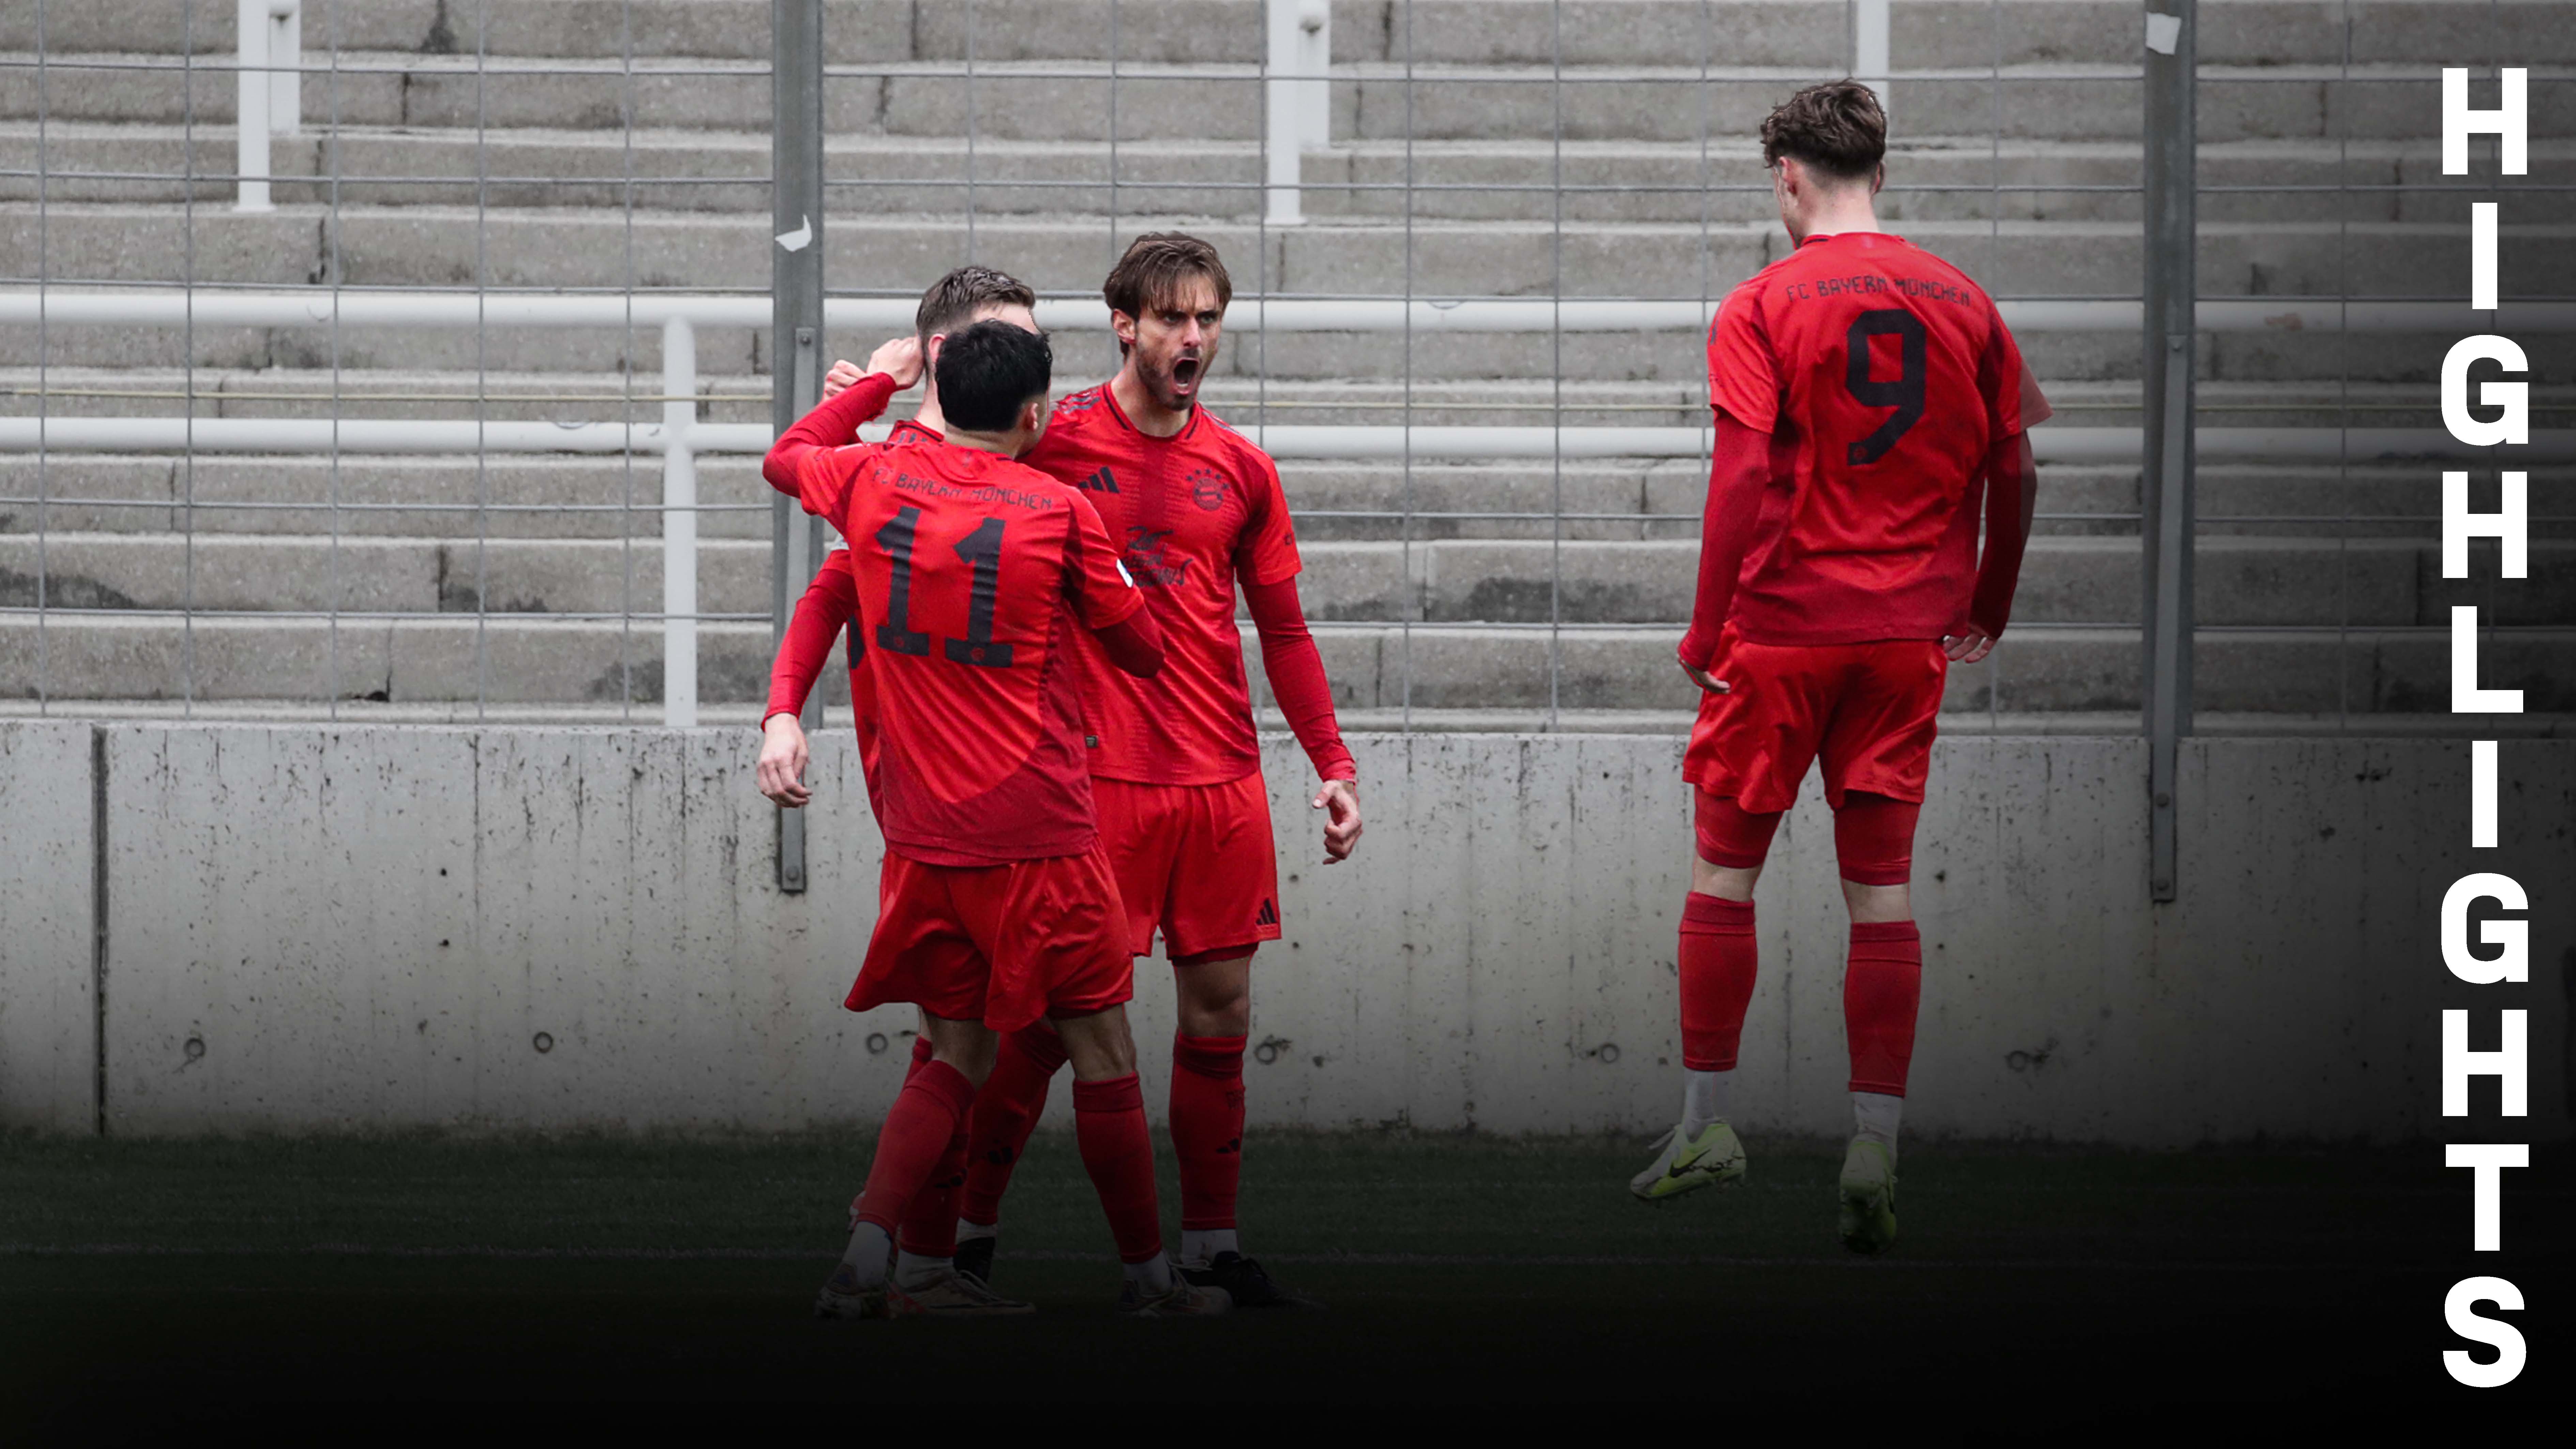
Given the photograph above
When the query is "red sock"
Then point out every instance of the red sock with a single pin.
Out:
(920, 1059)
(1881, 987)
(1006, 1111)
(1207, 1127)
(930, 1224)
(1717, 965)
(925, 1115)
(1109, 1123)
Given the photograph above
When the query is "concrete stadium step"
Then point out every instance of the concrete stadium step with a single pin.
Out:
(2240, 581)
(1064, 98)
(501, 658)
(521, 497)
(1813, 33)
(522, 659)
(448, 498)
(268, 573)
(1932, 178)
(599, 247)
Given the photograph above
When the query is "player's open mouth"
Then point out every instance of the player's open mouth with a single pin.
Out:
(1185, 374)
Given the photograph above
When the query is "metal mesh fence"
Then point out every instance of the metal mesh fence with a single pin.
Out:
(438, 394)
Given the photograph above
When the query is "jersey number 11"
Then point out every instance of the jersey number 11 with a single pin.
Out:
(982, 551)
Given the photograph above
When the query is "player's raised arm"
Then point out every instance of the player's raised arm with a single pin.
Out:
(897, 361)
(834, 423)
(1739, 467)
(829, 602)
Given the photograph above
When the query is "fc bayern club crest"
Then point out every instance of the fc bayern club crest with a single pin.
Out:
(1207, 488)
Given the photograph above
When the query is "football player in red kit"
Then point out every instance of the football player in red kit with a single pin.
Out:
(1197, 512)
(997, 907)
(965, 295)
(1870, 406)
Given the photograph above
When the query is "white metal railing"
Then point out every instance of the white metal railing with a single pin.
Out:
(680, 437)
(1300, 100)
(271, 90)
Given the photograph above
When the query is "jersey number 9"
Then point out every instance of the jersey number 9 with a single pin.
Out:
(1903, 392)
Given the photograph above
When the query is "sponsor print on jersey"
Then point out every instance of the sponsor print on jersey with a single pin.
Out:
(1148, 562)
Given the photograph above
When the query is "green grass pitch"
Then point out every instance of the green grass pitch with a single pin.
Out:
(135, 1275)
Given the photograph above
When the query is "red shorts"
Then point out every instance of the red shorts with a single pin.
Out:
(1868, 711)
(1196, 860)
(1000, 944)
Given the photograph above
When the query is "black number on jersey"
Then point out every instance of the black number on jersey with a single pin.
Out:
(982, 551)
(1904, 392)
(897, 633)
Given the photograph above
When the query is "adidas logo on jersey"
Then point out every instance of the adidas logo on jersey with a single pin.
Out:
(1102, 481)
(1269, 915)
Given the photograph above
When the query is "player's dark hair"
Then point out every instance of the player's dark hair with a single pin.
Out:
(1154, 267)
(953, 300)
(988, 372)
(1837, 128)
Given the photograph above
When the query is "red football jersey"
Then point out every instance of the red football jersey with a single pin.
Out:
(1884, 376)
(1189, 512)
(973, 573)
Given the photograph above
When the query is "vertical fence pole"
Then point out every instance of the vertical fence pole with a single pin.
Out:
(1870, 63)
(251, 105)
(679, 525)
(796, 314)
(2172, 287)
(1300, 51)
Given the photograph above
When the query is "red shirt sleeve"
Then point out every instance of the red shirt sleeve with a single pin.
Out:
(1742, 379)
(1296, 670)
(829, 602)
(2014, 403)
(834, 423)
(1094, 579)
(1267, 551)
(2012, 484)
(1739, 467)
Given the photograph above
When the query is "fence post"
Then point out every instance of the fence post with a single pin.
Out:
(679, 525)
(1300, 99)
(796, 319)
(2165, 483)
(268, 93)
(1870, 64)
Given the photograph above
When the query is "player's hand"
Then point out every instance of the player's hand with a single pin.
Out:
(1341, 799)
(1967, 643)
(842, 375)
(782, 761)
(1706, 684)
(898, 358)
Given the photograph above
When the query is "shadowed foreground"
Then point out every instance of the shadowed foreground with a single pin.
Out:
(148, 1278)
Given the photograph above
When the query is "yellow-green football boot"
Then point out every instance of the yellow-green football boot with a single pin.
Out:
(1868, 1190)
(1713, 1156)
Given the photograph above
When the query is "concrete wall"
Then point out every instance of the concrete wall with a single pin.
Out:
(371, 927)
(48, 966)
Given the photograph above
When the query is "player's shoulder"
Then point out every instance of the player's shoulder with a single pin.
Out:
(1943, 279)
(1081, 408)
(1744, 302)
(1221, 438)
